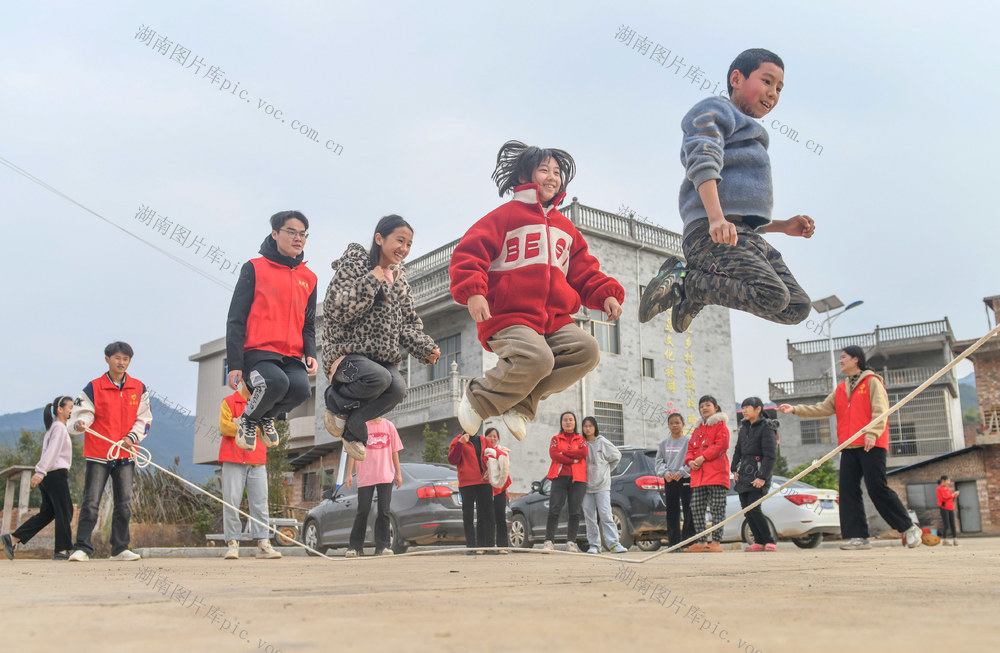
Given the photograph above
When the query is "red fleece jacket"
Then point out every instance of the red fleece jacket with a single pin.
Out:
(470, 466)
(568, 452)
(711, 440)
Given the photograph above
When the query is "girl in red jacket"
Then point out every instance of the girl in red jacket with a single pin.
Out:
(706, 456)
(946, 502)
(466, 453)
(523, 271)
(568, 472)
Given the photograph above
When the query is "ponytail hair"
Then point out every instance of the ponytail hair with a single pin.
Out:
(857, 352)
(49, 412)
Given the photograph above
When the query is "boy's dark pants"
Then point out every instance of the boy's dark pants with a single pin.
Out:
(93, 487)
(564, 487)
(758, 522)
(750, 276)
(364, 389)
(365, 493)
(855, 464)
(677, 498)
(285, 384)
(500, 518)
(56, 505)
(947, 521)
(477, 515)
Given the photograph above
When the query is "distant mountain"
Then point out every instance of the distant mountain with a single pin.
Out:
(169, 436)
(967, 391)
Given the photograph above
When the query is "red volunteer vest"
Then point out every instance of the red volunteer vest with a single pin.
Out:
(854, 414)
(228, 451)
(278, 312)
(114, 414)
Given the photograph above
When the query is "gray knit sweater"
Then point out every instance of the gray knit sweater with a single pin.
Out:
(670, 456)
(723, 143)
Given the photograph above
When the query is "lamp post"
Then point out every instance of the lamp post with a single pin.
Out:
(826, 305)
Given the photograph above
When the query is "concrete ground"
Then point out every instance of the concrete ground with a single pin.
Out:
(824, 599)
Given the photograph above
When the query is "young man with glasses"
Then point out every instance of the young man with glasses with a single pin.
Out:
(271, 330)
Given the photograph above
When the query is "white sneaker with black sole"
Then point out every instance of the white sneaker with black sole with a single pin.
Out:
(79, 556)
(914, 537)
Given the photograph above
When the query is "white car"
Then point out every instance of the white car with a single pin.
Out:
(800, 513)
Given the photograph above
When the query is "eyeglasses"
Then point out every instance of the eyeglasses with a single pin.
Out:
(291, 232)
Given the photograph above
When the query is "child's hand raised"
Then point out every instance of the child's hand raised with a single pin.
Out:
(800, 225)
(479, 308)
(612, 308)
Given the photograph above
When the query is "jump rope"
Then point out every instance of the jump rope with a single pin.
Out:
(144, 459)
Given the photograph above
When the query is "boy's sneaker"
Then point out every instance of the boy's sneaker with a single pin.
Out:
(268, 434)
(79, 556)
(468, 418)
(856, 544)
(618, 548)
(232, 550)
(8, 545)
(351, 553)
(548, 546)
(334, 423)
(683, 314)
(266, 551)
(354, 449)
(516, 423)
(572, 547)
(246, 434)
(593, 549)
(126, 556)
(913, 536)
(663, 290)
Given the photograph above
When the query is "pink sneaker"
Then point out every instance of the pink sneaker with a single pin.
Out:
(770, 547)
(754, 548)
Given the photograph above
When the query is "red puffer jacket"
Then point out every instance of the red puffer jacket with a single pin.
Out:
(470, 466)
(711, 440)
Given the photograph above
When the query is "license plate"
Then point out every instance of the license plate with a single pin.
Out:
(826, 504)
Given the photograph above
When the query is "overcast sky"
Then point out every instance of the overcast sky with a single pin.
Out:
(410, 102)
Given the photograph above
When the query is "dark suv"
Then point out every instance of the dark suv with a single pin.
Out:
(636, 504)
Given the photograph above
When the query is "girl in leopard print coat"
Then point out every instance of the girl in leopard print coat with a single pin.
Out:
(368, 316)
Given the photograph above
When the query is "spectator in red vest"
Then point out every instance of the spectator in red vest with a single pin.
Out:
(242, 470)
(856, 401)
(946, 502)
(270, 330)
(568, 473)
(115, 405)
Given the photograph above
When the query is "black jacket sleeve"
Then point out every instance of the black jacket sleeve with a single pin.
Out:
(738, 451)
(309, 328)
(769, 452)
(239, 310)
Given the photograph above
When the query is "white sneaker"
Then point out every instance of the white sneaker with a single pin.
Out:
(385, 552)
(856, 544)
(572, 547)
(351, 553)
(516, 423)
(468, 418)
(79, 556)
(126, 556)
(618, 548)
(266, 551)
(233, 552)
(913, 536)
(548, 546)
(593, 549)
(334, 423)
(354, 449)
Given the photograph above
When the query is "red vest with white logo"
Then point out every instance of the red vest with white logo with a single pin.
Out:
(228, 451)
(854, 414)
(114, 414)
(278, 312)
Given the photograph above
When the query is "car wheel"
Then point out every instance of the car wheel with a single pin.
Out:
(809, 541)
(747, 534)
(624, 527)
(397, 544)
(519, 532)
(648, 545)
(310, 537)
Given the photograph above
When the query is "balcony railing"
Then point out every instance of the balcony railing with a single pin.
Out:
(440, 257)
(920, 447)
(799, 388)
(641, 232)
(881, 335)
(432, 393)
(902, 377)
(429, 286)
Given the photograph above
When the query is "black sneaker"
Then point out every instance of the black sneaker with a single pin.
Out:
(664, 290)
(8, 545)
(268, 434)
(683, 314)
(246, 434)
(60, 556)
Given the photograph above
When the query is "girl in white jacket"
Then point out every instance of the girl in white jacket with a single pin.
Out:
(602, 457)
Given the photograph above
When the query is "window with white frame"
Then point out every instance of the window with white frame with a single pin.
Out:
(451, 351)
(606, 334)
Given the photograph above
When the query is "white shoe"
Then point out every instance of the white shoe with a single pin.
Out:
(266, 551)
(548, 546)
(351, 553)
(572, 547)
(618, 548)
(385, 552)
(913, 536)
(126, 556)
(516, 423)
(468, 418)
(79, 556)
(856, 544)
(334, 423)
(593, 550)
(233, 552)
(354, 449)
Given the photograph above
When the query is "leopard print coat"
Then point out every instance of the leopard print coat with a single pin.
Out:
(362, 315)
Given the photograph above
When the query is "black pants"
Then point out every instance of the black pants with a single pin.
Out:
(500, 518)
(947, 521)
(677, 498)
(364, 389)
(93, 488)
(855, 464)
(365, 493)
(563, 488)
(477, 515)
(276, 386)
(56, 505)
(758, 522)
